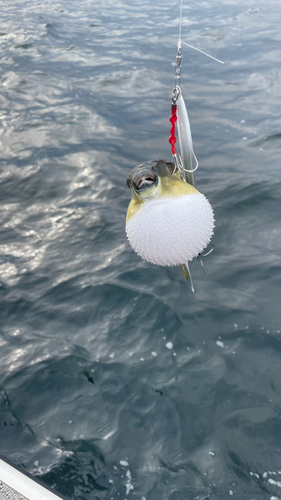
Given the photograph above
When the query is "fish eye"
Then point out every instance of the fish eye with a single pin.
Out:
(145, 181)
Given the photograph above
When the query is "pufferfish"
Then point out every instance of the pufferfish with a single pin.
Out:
(169, 222)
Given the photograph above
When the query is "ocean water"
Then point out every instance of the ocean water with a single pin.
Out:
(116, 382)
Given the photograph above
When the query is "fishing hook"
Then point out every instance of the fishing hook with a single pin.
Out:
(200, 255)
(182, 169)
(208, 253)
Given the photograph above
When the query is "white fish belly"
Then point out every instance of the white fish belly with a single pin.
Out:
(171, 231)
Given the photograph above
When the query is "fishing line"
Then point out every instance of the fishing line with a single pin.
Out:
(202, 52)
(180, 24)
(180, 41)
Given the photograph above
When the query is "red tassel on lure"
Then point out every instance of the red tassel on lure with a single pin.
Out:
(173, 119)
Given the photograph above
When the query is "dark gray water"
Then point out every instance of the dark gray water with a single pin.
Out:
(92, 400)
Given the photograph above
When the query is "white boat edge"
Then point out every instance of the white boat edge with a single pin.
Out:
(23, 484)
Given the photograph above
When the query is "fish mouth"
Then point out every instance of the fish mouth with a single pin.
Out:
(142, 178)
(145, 181)
(146, 175)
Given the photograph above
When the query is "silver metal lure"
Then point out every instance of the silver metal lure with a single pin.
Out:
(188, 159)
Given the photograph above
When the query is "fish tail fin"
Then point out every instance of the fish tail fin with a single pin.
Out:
(187, 275)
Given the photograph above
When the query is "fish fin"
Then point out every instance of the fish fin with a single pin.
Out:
(187, 274)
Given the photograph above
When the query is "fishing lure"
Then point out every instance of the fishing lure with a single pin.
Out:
(169, 222)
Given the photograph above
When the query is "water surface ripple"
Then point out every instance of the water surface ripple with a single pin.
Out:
(117, 381)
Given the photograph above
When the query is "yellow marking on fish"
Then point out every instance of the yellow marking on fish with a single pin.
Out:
(133, 208)
(168, 187)
(174, 188)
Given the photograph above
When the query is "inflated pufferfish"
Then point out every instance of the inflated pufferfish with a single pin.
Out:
(169, 222)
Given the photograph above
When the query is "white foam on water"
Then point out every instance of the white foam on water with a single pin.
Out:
(276, 483)
(129, 485)
(124, 463)
(220, 344)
